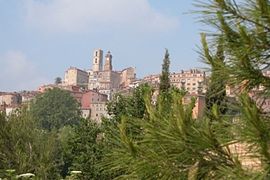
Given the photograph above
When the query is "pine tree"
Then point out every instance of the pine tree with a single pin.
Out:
(175, 146)
(244, 28)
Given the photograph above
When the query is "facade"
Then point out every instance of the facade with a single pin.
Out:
(98, 107)
(199, 107)
(128, 76)
(92, 103)
(28, 96)
(10, 102)
(76, 77)
(10, 99)
(97, 60)
(192, 80)
(153, 79)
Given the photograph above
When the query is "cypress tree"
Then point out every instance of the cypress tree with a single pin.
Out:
(216, 91)
(165, 96)
(165, 74)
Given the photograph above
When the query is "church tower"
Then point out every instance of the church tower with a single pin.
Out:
(108, 62)
(97, 60)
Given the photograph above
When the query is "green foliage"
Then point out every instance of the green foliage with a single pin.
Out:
(65, 135)
(168, 146)
(165, 74)
(25, 148)
(132, 106)
(164, 99)
(216, 91)
(244, 29)
(86, 150)
(55, 109)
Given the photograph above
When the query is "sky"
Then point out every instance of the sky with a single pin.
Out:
(40, 39)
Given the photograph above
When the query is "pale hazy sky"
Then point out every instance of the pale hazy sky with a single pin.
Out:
(40, 39)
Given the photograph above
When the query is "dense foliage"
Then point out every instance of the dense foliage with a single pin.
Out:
(26, 149)
(86, 150)
(244, 28)
(174, 145)
(165, 74)
(49, 153)
(216, 90)
(54, 109)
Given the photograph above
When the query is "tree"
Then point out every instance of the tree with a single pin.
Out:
(216, 91)
(171, 145)
(58, 81)
(86, 150)
(244, 28)
(131, 105)
(55, 109)
(165, 74)
(164, 99)
(174, 145)
(26, 149)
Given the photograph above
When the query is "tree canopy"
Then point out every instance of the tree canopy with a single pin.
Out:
(54, 109)
(26, 149)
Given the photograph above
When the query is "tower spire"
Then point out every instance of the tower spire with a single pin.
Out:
(108, 62)
(97, 60)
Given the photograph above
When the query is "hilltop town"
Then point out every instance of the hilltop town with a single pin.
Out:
(92, 88)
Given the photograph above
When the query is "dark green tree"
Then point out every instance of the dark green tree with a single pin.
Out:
(55, 109)
(164, 99)
(65, 135)
(130, 105)
(216, 90)
(86, 149)
(58, 80)
(165, 74)
(26, 149)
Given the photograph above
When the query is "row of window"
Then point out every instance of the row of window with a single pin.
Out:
(188, 75)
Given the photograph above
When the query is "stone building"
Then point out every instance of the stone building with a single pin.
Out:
(192, 80)
(76, 77)
(92, 104)
(28, 96)
(10, 99)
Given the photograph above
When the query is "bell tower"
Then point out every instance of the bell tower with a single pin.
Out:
(97, 60)
(108, 62)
